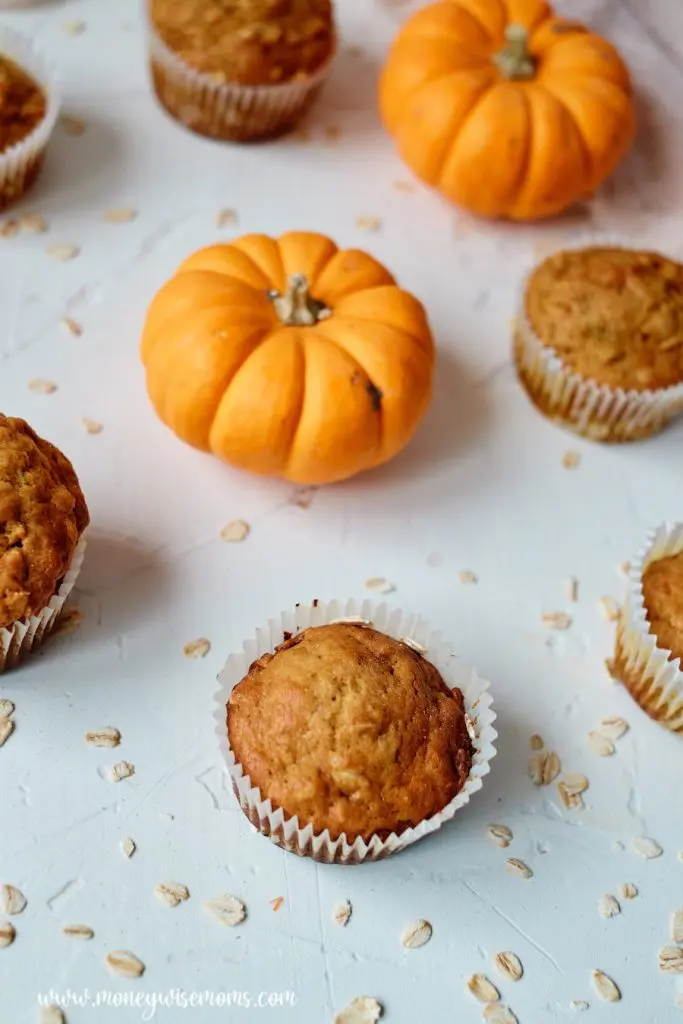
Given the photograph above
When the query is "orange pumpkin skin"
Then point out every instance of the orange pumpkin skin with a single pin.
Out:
(505, 108)
(288, 357)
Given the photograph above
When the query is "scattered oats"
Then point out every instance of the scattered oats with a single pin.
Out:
(226, 909)
(52, 1015)
(367, 223)
(6, 729)
(78, 931)
(225, 218)
(571, 800)
(676, 924)
(106, 737)
(571, 589)
(500, 834)
(404, 186)
(628, 890)
(13, 900)
(556, 620)
(6, 708)
(570, 460)
(578, 1005)
(380, 585)
(7, 934)
(68, 621)
(71, 326)
(361, 1010)
(73, 125)
(614, 728)
(120, 215)
(483, 989)
(74, 28)
(671, 960)
(608, 906)
(413, 644)
(600, 745)
(197, 648)
(575, 782)
(91, 426)
(544, 768)
(42, 387)
(646, 847)
(609, 609)
(122, 770)
(9, 228)
(128, 848)
(467, 576)
(416, 934)
(605, 987)
(172, 893)
(536, 742)
(624, 569)
(341, 913)
(125, 964)
(496, 1013)
(332, 133)
(33, 223)
(509, 965)
(303, 497)
(235, 531)
(62, 253)
(518, 867)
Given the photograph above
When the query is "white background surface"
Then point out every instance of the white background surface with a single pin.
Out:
(481, 488)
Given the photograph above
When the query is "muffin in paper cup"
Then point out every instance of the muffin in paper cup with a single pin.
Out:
(19, 639)
(595, 411)
(650, 673)
(284, 830)
(20, 163)
(224, 110)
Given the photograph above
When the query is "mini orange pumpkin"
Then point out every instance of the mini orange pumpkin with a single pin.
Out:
(505, 108)
(289, 357)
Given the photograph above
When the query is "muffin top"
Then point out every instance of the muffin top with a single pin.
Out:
(351, 730)
(663, 597)
(613, 316)
(42, 515)
(249, 42)
(22, 104)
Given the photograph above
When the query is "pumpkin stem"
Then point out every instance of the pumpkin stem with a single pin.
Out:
(514, 60)
(297, 308)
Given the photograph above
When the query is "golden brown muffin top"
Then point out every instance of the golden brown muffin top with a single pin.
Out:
(663, 596)
(22, 104)
(42, 515)
(613, 316)
(350, 730)
(249, 42)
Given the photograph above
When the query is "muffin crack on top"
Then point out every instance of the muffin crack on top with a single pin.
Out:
(42, 516)
(350, 730)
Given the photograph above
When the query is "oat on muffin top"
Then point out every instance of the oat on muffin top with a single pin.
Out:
(22, 104)
(613, 316)
(248, 42)
(42, 515)
(351, 730)
(663, 597)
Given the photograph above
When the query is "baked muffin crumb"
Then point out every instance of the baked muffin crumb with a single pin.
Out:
(663, 598)
(23, 104)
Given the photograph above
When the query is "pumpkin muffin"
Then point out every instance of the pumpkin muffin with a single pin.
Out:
(599, 341)
(240, 69)
(43, 515)
(350, 730)
(28, 112)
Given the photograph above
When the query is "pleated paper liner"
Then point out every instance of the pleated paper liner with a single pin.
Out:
(19, 640)
(20, 164)
(221, 110)
(285, 831)
(653, 678)
(595, 411)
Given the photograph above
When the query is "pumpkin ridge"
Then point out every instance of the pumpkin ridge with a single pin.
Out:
(451, 149)
(587, 161)
(262, 269)
(503, 13)
(420, 343)
(428, 31)
(545, 13)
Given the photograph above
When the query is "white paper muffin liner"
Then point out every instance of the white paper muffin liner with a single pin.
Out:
(23, 637)
(222, 110)
(595, 411)
(653, 680)
(284, 830)
(21, 163)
